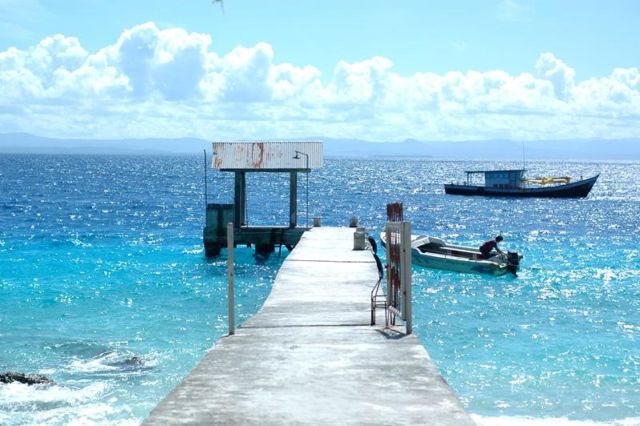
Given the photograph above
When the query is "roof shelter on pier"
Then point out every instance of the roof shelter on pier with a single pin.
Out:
(241, 158)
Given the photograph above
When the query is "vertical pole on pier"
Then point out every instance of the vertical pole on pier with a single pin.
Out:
(390, 270)
(205, 179)
(230, 267)
(407, 311)
(293, 199)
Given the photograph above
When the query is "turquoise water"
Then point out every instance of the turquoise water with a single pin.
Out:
(104, 286)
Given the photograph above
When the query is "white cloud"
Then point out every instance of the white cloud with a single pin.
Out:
(289, 82)
(245, 72)
(359, 82)
(168, 82)
(557, 72)
(168, 63)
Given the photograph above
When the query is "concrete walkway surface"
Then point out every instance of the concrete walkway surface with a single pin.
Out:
(310, 357)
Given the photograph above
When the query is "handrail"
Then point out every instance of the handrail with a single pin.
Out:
(378, 301)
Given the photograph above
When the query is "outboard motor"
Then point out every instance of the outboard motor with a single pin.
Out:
(513, 262)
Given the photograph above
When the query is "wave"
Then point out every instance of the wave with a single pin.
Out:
(20, 394)
(196, 250)
(86, 397)
(110, 362)
(22, 404)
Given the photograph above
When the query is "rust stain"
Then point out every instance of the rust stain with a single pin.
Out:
(216, 158)
(258, 156)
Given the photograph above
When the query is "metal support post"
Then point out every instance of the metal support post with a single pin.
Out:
(407, 310)
(388, 272)
(293, 199)
(205, 181)
(306, 166)
(230, 269)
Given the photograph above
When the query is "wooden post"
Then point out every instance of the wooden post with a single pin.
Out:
(394, 212)
(230, 269)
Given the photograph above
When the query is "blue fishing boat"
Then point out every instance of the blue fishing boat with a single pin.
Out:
(512, 183)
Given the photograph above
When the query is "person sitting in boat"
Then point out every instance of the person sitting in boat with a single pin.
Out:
(488, 246)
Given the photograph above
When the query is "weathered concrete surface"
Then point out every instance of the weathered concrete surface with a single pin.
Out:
(310, 357)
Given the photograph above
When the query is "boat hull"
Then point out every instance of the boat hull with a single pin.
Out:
(458, 265)
(578, 189)
(466, 260)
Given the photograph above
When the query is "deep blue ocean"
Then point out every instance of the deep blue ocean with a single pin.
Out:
(104, 286)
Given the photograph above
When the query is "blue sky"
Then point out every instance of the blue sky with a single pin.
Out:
(376, 70)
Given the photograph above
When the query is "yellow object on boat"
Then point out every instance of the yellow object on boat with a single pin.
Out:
(549, 180)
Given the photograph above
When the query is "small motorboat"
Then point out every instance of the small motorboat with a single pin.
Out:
(431, 252)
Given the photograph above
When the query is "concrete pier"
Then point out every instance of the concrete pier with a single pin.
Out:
(310, 357)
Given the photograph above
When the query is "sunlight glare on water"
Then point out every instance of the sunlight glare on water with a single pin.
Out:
(104, 286)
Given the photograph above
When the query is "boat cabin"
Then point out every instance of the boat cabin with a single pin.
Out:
(503, 179)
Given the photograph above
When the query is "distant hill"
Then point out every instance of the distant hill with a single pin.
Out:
(626, 149)
(29, 144)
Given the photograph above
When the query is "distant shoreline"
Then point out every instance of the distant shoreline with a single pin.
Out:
(498, 150)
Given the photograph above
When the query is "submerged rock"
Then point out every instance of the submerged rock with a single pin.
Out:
(29, 379)
(134, 360)
(131, 362)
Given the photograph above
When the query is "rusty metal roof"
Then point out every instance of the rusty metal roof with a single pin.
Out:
(267, 155)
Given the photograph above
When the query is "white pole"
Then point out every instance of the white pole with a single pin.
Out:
(306, 165)
(387, 231)
(402, 268)
(232, 316)
(406, 277)
(306, 158)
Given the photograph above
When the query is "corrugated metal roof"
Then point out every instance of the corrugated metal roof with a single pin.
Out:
(267, 155)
